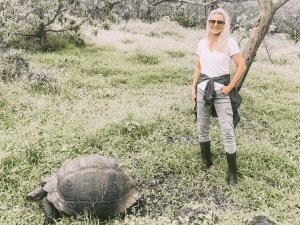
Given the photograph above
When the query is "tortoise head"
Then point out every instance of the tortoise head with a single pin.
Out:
(37, 194)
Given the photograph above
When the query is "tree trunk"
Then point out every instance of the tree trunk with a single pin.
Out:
(41, 33)
(267, 11)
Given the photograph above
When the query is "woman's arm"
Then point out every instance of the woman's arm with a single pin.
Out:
(196, 78)
(240, 69)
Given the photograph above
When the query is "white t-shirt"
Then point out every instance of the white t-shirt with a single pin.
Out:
(214, 63)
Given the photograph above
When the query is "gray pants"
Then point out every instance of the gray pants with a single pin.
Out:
(223, 108)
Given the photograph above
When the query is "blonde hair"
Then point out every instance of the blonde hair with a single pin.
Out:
(222, 42)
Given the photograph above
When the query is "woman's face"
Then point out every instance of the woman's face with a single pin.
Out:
(216, 24)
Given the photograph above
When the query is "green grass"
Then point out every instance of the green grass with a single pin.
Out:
(131, 102)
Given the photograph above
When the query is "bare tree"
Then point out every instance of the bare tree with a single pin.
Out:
(267, 11)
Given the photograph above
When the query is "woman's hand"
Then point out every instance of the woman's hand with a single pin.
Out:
(226, 89)
(194, 95)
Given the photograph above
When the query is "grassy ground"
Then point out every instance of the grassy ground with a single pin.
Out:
(128, 96)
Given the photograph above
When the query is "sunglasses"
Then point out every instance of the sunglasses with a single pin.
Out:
(219, 22)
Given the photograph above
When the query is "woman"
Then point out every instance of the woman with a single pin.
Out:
(213, 90)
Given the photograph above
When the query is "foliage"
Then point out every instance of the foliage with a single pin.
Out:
(34, 20)
(49, 25)
(243, 16)
(287, 20)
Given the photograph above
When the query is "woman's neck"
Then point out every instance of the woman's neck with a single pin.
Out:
(213, 41)
(214, 37)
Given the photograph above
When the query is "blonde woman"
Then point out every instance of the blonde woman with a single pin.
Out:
(213, 90)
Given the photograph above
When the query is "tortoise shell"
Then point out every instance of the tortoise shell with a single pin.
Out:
(93, 184)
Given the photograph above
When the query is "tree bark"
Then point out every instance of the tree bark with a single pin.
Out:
(267, 11)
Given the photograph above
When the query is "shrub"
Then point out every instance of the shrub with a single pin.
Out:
(13, 65)
(145, 58)
(55, 42)
(176, 54)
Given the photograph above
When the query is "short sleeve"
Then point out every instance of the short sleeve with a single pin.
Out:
(199, 48)
(233, 47)
(201, 45)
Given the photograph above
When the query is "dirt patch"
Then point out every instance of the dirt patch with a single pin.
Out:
(167, 194)
(261, 220)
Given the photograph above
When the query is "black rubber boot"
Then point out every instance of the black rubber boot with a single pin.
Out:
(232, 168)
(205, 154)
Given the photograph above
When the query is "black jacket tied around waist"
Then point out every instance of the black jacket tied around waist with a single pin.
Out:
(210, 94)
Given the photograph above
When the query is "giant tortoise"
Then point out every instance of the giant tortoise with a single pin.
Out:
(88, 184)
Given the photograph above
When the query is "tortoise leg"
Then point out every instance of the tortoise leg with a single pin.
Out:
(51, 213)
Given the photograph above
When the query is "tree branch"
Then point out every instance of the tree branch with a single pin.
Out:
(162, 1)
(214, 1)
(66, 28)
(279, 3)
(200, 3)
